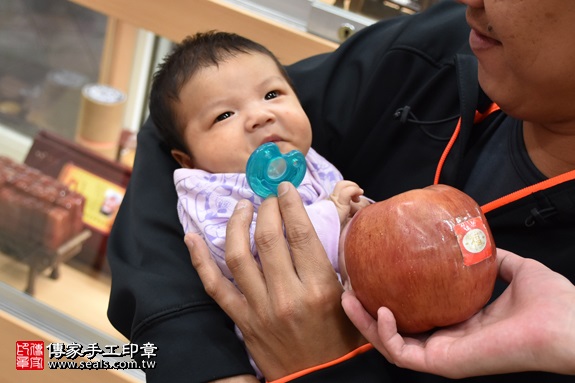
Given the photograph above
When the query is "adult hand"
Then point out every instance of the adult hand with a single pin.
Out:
(289, 310)
(531, 326)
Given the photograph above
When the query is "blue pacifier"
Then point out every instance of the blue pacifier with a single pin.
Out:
(267, 168)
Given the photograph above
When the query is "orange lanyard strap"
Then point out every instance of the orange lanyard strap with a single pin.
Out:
(478, 118)
(507, 199)
(548, 183)
(295, 375)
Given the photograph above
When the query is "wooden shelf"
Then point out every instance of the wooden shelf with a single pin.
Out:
(175, 19)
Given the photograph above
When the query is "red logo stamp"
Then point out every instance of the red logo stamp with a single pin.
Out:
(29, 355)
(473, 240)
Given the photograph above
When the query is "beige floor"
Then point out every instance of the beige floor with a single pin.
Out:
(75, 293)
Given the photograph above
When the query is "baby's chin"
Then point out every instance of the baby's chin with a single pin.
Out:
(230, 169)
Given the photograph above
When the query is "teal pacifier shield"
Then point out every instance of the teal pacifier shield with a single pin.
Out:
(267, 167)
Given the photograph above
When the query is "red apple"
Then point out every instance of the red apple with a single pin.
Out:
(427, 254)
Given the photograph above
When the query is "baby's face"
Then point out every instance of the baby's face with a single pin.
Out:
(231, 109)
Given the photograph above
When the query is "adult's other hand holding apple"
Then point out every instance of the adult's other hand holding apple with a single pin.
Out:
(427, 254)
(527, 328)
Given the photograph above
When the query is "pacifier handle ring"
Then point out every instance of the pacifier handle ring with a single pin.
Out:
(265, 159)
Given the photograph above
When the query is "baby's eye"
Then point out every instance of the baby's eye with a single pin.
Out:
(223, 116)
(271, 95)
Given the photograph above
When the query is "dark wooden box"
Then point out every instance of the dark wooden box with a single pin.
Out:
(42, 219)
(101, 181)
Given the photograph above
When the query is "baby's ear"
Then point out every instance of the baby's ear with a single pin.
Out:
(183, 159)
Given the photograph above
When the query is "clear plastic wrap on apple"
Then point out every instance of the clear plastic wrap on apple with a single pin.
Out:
(426, 254)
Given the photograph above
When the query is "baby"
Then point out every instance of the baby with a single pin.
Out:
(215, 99)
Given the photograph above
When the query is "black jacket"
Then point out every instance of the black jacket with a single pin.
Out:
(351, 96)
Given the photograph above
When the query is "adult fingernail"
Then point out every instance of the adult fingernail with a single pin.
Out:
(283, 188)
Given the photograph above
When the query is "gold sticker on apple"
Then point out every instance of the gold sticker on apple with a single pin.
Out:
(473, 240)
